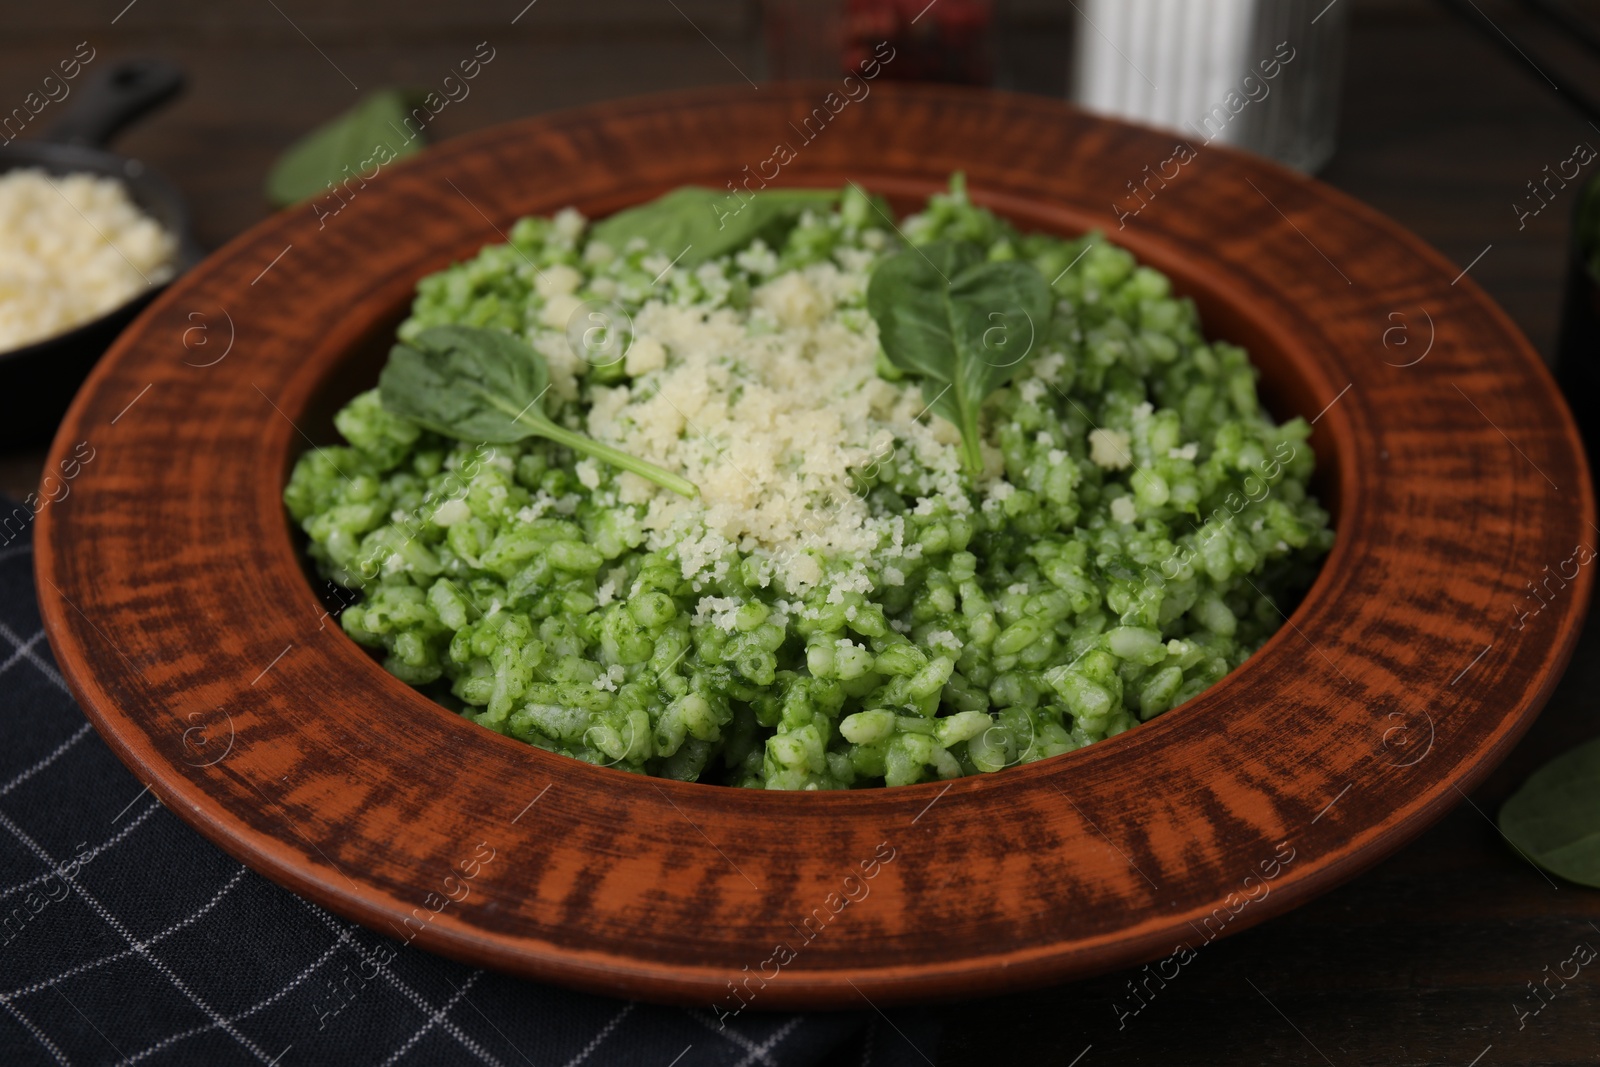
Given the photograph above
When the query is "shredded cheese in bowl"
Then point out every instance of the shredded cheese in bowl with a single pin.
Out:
(72, 248)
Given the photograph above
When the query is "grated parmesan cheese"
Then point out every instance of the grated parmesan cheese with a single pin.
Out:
(72, 248)
(769, 411)
(723, 611)
(644, 355)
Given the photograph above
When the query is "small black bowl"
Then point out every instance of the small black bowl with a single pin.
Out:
(39, 379)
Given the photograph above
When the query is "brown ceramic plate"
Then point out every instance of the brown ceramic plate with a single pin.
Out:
(182, 615)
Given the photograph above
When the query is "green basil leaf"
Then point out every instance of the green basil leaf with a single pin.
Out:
(961, 323)
(488, 386)
(344, 146)
(701, 224)
(465, 382)
(1554, 819)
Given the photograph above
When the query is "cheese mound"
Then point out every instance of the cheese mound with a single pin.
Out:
(72, 248)
(769, 411)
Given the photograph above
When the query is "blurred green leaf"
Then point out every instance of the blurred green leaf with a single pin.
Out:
(1554, 819)
(697, 224)
(345, 146)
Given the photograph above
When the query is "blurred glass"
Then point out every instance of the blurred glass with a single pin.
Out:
(1263, 75)
(944, 41)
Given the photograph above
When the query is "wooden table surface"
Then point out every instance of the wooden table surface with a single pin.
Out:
(1427, 958)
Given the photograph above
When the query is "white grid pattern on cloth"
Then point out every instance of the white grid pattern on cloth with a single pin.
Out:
(88, 857)
(20, 651)
(187, 921)
(605, 1032)
(77, 735)
(38, 1034)
(401, 985)
(770, 1043)
(260, 1005)
(753, 1051)
(117, 925)
(24, 648)
(28, 653)
(468, 1002)
(433, 1020)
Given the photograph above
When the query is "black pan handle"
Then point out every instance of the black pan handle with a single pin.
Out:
(115, 97)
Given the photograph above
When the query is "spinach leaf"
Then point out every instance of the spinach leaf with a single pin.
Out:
(964, 325)
(703, 224)
(372, 131)
(486, 385)
(1554, 819)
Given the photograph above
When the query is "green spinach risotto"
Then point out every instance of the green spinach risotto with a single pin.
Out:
(774, 491)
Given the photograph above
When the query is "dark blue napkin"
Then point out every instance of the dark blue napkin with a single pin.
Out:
(127, 938)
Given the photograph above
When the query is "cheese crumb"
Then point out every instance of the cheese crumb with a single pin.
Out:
(451, 512)
(559, 279)
(722, 611)
(805, 572)
(567, 226)
(644, 355)
(558, 310)
(1047, 368)
(791, 299)
(1109, 449)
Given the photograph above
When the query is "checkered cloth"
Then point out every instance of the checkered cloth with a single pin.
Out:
(126, 938)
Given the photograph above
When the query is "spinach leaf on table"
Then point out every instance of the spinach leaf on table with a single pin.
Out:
(344, 146)
(487, 386)
(1554, 819)
(701, 224)
(963, 324)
